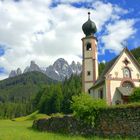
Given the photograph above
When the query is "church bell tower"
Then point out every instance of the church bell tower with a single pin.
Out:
(90, 60)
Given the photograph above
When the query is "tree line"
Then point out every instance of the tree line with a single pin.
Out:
(57, 97)
(51, 98)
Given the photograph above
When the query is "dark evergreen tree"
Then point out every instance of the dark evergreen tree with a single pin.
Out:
(101, 68)
(71, 87)
(57, 97)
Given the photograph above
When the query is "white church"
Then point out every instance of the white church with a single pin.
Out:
(119, 76)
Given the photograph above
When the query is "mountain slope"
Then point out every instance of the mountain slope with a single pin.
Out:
(23, 87)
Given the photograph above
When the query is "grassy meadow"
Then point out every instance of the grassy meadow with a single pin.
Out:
(21, 130)
(12, 130)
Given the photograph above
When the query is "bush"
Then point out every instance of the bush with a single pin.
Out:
(135, 97)
(86, 108)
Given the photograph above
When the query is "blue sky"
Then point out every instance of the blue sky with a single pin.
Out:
(133, 7)
(44, 30)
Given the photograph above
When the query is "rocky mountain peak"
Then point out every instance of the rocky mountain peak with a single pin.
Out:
(33, 67)
(61, 64)
(58, 71)
(76, 67)
(61, 69)
(14, 73)
(32, 63)
(73, 64)
(19, 72)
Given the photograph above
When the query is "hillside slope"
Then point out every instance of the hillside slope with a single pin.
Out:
(136, 53)
(23, 87)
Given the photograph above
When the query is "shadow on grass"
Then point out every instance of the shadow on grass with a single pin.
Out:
(91, 137)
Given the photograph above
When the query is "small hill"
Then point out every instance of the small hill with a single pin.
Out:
(23, 87)
(33, 116)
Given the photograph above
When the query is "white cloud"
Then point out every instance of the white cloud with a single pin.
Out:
(103, 61)
(118, 32)
(72, 1)
(34, 31)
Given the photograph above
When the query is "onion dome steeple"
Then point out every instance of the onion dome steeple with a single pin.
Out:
(89, 27)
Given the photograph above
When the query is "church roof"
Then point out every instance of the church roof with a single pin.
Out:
(89, 27)
(101, 78)
(110, 64)
(125, 91)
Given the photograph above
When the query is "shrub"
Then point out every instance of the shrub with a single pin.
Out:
(135, 97)
(86, 108)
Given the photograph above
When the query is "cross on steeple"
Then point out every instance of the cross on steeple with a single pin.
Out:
(88, 15)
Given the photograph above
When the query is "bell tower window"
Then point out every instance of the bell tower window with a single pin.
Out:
(88, 47)
(88, 73)
(126, 72)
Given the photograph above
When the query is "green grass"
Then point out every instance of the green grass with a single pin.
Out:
(35, 115)
(14, 130)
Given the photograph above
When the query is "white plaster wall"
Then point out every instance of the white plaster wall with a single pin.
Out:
(93, 51)
(88, 67)
(137, 84)
(107, 91)
(90, 52)
(88, 57)
(120, 65)
(87, 53)
(88, 86)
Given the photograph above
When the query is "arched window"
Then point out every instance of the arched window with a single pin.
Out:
(88, 47)
(126, 72)
(117, 102)
(127, 84)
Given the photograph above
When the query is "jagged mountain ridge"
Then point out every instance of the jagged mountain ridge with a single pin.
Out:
(58, 71)
(14, 73)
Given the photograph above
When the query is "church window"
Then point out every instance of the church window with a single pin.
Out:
(88, 73)
(126, 72)
(88, 47)
(101, 93)
(126, 62)
(117, 102)
(127, 84)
